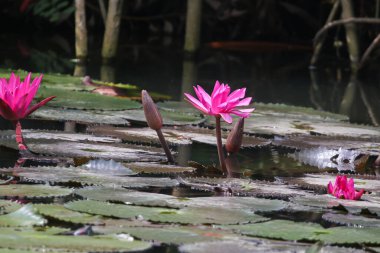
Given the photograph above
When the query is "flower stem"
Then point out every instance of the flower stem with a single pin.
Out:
(219, 143)
(165, 146)
(19, 139)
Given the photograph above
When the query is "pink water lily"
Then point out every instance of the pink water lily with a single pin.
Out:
(343, 189)
(221, 102)
(15, 100)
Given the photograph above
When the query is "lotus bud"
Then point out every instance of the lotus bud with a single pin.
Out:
(235, 137)
(377, 161)
(152, 115)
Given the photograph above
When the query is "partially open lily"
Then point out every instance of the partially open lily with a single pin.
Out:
(221, 104)
(343, 189)
(15, 100)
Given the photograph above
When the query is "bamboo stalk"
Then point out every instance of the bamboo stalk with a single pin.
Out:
(111, 34)
(193, 25)
(351, 34)
(80, 29)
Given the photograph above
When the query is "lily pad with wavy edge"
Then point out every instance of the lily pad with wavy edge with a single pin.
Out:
(201, 215)
(152, 199)
(80, 116)
(32, 191)
(8, 206)
(351, 220)
(84, 177)
(328, 201)
(298, 231)
(85, 100)
(247, 187)
(158, 168)
(170, 234)
(362, 145)
(32, 240)
(184, 135)
(282, 124)
(169, 118)
(26, 216)
(320, 181)
(118, 152)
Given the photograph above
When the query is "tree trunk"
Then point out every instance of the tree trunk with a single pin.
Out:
(351, 34)
(80, 29)
(111, 34)
(193, 25)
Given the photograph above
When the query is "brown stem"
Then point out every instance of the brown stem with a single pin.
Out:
(165, 146)
(369, 50)
(19, 139)
(327, 27)
(219, 143)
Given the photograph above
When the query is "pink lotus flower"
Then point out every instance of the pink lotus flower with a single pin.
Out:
(16, 96)
(221, 102)
(15, 99)
(343, 189)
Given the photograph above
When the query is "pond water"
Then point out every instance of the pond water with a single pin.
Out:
(272, 195)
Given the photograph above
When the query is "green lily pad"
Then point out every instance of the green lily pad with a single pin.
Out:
(61, 213)
(7, 206)
(80, 116)
(158, 168)
(351, 220)
(361, 145)
(24, 217)
(169, 118)
(328, 201)
(32, 240)
(85, 100)
(85, 177)
(165, 215)
(32, 191)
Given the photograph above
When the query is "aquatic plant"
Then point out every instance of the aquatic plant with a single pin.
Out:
(154, 120)
(235, 137)
(221, 104)
(15, 99)
(344, 189)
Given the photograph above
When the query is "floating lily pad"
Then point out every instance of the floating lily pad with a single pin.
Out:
(118, 152)
(7, 206)
(61, 213)
(85, 100)
(320, 181)
(164, 215)
(84, 177)
(26, 216)
(362, 145)
(351, 220)
(289, 230)
(184, 135)
(157, 168)
(169, 118)
(80, 116)
(32, 191)
(247, 187)
(32, 240)
(284, 123)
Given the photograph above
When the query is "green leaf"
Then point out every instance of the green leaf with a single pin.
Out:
(24, 217)
(32, 191)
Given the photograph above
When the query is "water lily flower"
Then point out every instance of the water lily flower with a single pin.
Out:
(343, 189)
(221, 104)
(15, 100)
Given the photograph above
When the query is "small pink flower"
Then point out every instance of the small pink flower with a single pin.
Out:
(16, 96)
(343, 189)
(221, 102)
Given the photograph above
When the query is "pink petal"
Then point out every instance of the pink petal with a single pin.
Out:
(216, 89)
(358, 195)
(330, 189)
(6, 112)
(227, 118)
(196, 103)
(239, 93)
(245, 101)
(206, 97)
(35, 107)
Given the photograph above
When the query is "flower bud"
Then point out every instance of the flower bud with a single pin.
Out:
(235, 137)
(152, 115)
(377, 161)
